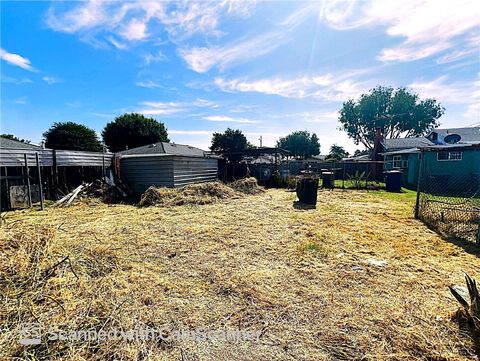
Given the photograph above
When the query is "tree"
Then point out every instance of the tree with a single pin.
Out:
(395, 112)
(300, 144)
(133, 130)
(337, 152)
(229, 141)
(72, 136)
(14, 137)
(359, 152)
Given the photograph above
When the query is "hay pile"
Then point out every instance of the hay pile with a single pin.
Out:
(246, 185)
(202, 193)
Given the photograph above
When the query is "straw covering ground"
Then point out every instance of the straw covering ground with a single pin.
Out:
(354, 278)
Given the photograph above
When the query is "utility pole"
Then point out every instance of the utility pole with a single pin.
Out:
(260, 139)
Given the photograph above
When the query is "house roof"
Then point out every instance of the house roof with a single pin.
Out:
(403, 151)
(457, 146)
(468, 134)
(406, 143)
(166, 149)
(15, 144)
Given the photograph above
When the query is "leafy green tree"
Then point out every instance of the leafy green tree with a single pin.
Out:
(300, 144)
(14, 137)
(359, 152)
(337, 152)
(72, 136)
(229, 141)
(396, 112)
(133, 130)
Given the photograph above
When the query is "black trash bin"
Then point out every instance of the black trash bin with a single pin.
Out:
(328, 180)
(393, 180)
(307, 190)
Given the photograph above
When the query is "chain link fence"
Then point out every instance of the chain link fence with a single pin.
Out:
(448, 198)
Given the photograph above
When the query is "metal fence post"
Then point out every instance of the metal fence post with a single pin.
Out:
(419, 184)
(28, 180)
(39, 182)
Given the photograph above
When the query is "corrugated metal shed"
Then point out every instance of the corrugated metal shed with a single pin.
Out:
(166, 165)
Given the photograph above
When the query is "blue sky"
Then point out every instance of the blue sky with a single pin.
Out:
(267, 68)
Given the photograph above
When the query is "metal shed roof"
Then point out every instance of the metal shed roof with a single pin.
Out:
(165, 148)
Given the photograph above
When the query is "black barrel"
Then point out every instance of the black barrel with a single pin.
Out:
(307, 190)
(393, 180)
(328, 180)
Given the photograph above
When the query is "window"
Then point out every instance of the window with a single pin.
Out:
(449, 156)
(397, 161)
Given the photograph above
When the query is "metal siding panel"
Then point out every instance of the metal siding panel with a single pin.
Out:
(65, 158)
(15, 157)
(194, 170)
(142, 172)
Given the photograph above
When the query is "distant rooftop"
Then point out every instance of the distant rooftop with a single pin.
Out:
(6, 143)
(436, 137)
(468, 134)
(165, 148)
(406, 143)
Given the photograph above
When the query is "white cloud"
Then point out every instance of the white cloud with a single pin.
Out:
(135, 30)
(323, 87)
(51, 79)
(153, 58)
(132, 20)
(452, 92)
(199, 102)
(202, 59)
(190, 132)
(16, 60)
(428, 27)
(226, 118)
(21, 101)
(147, 84)
(160, 108)
(473, 112)
(446, 91)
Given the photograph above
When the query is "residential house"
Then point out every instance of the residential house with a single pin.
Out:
(447, 152)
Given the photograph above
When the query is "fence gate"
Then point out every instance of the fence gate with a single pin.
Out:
(449, 202)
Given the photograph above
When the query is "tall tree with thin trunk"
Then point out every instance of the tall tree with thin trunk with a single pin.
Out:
(396, 112)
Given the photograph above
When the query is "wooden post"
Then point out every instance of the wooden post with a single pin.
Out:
(419, 184)
(7, 188)
(40, 185)
(55, 174)
(28, 180)
(343, 176)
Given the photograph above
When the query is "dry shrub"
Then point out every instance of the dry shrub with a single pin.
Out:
(246, 185)
(201, 193)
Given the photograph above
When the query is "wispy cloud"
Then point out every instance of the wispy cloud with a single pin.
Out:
(160, 108)
(21, 101)
(17, 60)
(190, 132)
(132, 21)
(321, 87)
(450, 92)
(202, 59)
(51, 79)
(427, 27)
(148, 84)
(11, 80)
(150, 58)
(228, 119)
(447, 91)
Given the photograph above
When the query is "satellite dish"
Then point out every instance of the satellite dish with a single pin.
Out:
(452, 138)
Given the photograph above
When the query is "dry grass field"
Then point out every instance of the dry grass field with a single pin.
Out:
(355, 278)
